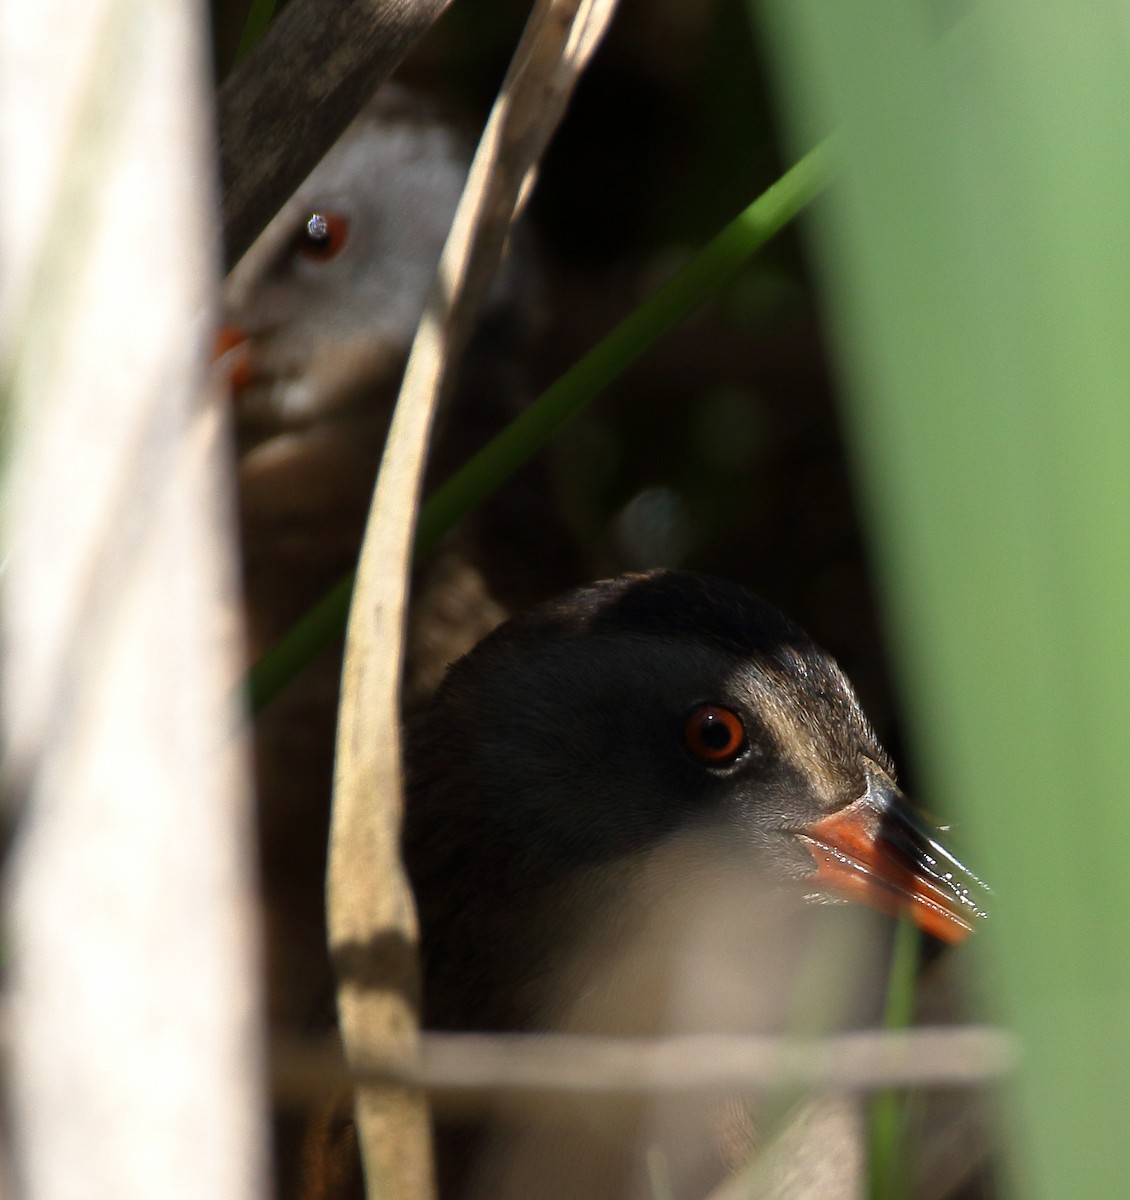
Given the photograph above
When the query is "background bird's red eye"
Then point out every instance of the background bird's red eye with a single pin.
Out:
(714, 735)
(322, 235)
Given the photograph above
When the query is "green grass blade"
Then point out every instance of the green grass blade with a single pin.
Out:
(312, 633)
(887, 1127)
(711, 267)
(977, 258)
(260, 14)
(716, 263)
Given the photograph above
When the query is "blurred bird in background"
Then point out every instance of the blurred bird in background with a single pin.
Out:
(317, 320)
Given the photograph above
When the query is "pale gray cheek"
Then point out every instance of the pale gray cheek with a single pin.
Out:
(293, 399)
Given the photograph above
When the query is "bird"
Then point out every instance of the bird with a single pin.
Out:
(604, 785)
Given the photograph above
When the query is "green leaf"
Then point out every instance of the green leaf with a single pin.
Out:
(976, 261)
(711, 267)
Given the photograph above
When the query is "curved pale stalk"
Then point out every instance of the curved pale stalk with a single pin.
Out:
(372, 923)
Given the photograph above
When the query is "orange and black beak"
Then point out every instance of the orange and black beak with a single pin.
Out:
(232, 352)
(880, 852)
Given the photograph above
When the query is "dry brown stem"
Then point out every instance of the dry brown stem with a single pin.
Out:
(371, 915)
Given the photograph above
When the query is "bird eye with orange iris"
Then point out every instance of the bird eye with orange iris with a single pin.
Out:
(714, 735)
(322, 236)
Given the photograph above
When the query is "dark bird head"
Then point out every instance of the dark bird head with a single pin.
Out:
(633, 710)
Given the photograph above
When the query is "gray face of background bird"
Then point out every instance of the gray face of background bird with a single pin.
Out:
(349, 293)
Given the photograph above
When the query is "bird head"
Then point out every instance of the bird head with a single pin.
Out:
(641, 708)
(317, 319)
(346, 264)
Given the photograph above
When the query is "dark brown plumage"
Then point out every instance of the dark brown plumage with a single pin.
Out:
(579, 786)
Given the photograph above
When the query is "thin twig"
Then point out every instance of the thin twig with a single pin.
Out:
(943, 1057)
(371, 918)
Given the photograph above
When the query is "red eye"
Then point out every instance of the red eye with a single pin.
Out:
(322, 236)
(714, 735)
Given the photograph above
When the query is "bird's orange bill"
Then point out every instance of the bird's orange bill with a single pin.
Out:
(232, 351)
(878, 851)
